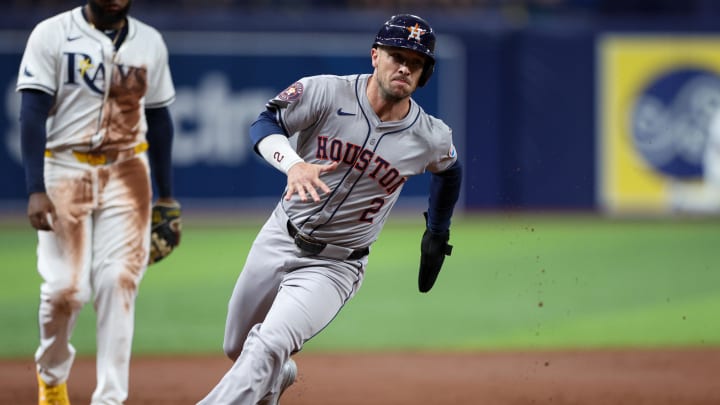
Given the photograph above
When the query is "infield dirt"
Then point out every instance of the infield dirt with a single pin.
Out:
(618, 377)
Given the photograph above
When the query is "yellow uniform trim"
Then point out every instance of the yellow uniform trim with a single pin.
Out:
(102, 158)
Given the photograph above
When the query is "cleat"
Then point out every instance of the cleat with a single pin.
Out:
(286, 379)
(52, 394)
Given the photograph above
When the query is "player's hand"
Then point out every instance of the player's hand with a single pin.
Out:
(304, 179)
(41, 211)
(433, 249)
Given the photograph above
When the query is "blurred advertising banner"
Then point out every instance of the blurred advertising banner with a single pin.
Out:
(223, 80)
(659, 98)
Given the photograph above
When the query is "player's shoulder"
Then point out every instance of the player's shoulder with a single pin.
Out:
(437, 135)
(321, 88)
(55, 23)
(429, 121)
(326, 86)
(143, 30)
(438, 124)
(329, 80)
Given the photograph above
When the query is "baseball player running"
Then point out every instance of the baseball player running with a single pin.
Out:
(94, 82)
(358, 140)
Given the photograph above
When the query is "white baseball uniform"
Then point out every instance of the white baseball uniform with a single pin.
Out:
(97, 176)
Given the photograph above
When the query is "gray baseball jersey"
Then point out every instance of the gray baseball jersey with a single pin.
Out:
(295, 281)
(333, 121)
(285, 296)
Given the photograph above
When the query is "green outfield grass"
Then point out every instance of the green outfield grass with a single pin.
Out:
(514, 281)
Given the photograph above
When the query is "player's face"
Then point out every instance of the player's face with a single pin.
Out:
(109, 13)
(397, 71)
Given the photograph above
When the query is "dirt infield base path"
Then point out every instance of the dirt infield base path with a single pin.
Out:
(657, 377)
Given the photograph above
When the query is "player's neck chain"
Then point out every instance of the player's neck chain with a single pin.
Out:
(114, 34)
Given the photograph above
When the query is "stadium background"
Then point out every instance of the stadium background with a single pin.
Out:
(543, 97)
(524, 84)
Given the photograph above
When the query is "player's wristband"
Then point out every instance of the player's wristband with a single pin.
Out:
(277, 151)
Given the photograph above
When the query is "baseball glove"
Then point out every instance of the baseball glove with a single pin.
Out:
(433, 249)
(165, 230)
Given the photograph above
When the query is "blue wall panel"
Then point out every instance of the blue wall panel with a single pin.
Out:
(550, 159)
(521, 101)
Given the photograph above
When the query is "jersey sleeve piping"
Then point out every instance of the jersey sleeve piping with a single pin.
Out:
(35, 86)
(161, 104)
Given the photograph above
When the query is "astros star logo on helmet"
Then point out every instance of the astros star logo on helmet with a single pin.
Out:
(415, 32)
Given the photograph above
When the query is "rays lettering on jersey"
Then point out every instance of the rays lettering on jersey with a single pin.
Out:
(381, 171)
(81, 67)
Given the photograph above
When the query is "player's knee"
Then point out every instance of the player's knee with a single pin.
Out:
(117, 281)
(276, 343)
(66, 302)
(233, 342)
(232, 350)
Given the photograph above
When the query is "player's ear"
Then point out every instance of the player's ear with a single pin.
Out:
(374, 55)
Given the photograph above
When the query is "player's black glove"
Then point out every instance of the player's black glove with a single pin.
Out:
(165, 230)
(433, 249)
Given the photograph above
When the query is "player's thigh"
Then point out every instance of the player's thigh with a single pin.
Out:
(64, 253)
(309, 298)
(122, 220)
(257, 285)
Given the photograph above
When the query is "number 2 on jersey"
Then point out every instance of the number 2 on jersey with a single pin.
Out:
(375, 206)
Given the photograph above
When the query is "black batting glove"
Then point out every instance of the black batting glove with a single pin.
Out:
(433, 249)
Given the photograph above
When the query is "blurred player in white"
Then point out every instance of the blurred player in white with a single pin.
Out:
(95, 86)
(359, 138)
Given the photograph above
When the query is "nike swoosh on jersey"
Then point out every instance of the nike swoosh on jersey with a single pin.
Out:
(27, 73)
(341, 112)
(70, 39)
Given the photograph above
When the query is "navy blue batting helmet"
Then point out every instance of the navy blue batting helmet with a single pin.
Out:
(410, 32)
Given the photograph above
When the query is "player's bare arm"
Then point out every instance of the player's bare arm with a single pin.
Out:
(40, 211)
(304, 179)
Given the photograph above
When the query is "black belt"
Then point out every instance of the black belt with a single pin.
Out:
(314, 246)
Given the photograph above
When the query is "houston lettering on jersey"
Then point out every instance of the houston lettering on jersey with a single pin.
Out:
(381, 171)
